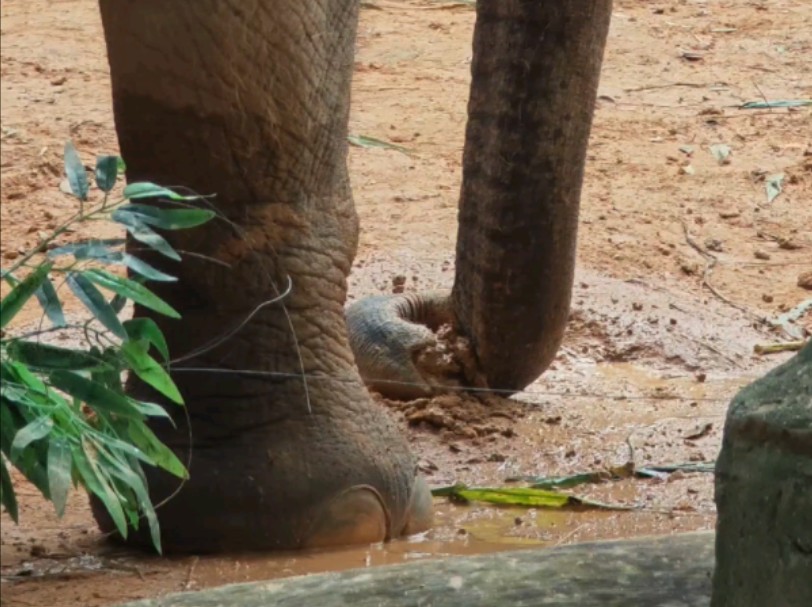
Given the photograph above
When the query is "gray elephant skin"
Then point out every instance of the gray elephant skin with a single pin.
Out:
(249, 100)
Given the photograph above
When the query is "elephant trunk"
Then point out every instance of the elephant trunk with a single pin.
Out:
(535, 75)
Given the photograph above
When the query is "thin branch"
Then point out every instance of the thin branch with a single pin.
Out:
(710, 262)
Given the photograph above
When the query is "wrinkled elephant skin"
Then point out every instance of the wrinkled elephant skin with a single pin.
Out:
(249, 99)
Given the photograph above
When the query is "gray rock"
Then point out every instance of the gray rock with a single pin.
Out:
(648, 572)
(764, 492)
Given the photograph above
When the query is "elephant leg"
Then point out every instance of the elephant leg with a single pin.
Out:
(249, 100)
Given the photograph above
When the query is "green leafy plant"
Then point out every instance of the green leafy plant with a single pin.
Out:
(65, 418)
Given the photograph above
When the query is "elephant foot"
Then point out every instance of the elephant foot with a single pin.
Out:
(336, 476)
(420, 515)
(358, 516)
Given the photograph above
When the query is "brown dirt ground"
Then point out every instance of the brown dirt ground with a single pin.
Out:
(652, 356)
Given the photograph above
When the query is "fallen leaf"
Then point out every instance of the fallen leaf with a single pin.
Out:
(773, 184)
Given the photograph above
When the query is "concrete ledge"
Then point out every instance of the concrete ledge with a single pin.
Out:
(648, 572)
(764, 492)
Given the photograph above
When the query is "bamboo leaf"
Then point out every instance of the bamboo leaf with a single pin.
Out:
(521, 496)
(150, 371)
(163, 457)
(149, 409)
(146, 329)
(137, 484)
(566, 482)
(145, 189)
(117, 303)
(145, 234)
(765, 105)
(721, 151)
(21, 293)
(144, 269)
(49, 300)
(94, 394)
(7, 497)
(131, 290)
(93, 248)
(106, 172)
(774, 184)
(59, 473)
(21, 372)
(94, 301)
(95, 482)
(659, 471)
(45, 356)
(166, 219)
(135, 264)
(75, 170)
(362, 141)
(34, 431)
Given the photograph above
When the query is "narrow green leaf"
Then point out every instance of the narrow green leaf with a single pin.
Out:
(49, 300)
(98, 249)
(121, 165)
(362, 141)
(131, 290)
(138, 485)
(7, 497)
(764, 105)
(93, 248)
(110, 376)
(21, 372)
(106, 172)
(516, 496)
(59, 473)
(118, 427)
(135, 264)
(89, 472)
(150, 371)
(21, 293)
(566, 482)
(44, 356)
(31, 460)
(117, 303)
(144, 269)
(166, 219)
(75, 170)
(145, 189)
(143, 233)
(146, 329)
(94, 394)
(36, 430)
(660, 471)
(14, 392)
(94, 301)
(144, 439)
(149, 409)
(10, 419)
(521, 496)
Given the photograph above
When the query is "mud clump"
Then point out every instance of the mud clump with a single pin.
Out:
(449, 366)
(462, 415)
(449, 362)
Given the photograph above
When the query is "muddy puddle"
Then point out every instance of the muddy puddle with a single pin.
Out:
(643, 379)
(587, 413)
(650, 417)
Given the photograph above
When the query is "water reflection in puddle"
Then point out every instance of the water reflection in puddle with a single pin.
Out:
(480, 531)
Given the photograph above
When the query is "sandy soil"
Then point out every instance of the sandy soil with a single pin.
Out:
(652, 355)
